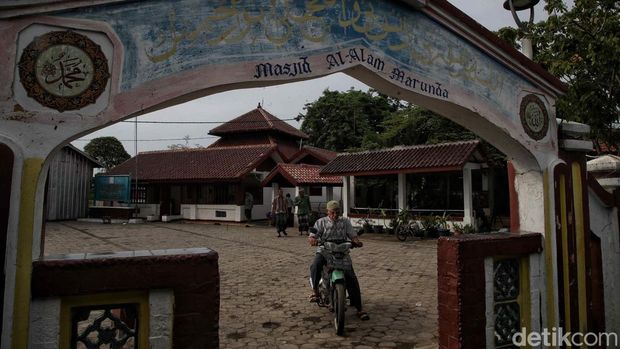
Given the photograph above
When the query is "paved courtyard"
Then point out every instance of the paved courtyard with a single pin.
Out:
(264, 282)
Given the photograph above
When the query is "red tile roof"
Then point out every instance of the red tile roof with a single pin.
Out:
(419, 158)
(257, 120)
(323, 155)
(204, 164)
(286, 148)
(245, 139)
(302, 174)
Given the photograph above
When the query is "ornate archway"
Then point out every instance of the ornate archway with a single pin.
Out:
(74, 69)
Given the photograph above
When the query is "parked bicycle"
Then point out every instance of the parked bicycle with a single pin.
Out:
(408, 229)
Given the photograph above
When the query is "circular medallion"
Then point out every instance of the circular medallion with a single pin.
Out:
(63, 70)
(534, 117)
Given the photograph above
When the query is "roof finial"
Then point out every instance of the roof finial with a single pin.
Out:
(258, 105)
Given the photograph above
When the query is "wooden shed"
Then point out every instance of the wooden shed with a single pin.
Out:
(68, 184)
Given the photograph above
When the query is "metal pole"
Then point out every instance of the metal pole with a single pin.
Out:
(135, 147)
(526, 42)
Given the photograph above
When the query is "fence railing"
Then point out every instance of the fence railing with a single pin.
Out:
(377, 212)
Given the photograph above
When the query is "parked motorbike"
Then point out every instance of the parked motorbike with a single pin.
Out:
(332, 286)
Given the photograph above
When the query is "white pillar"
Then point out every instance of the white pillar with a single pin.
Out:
(351, 191)
(274, 190)
(402, 191)
(346, 191)
(468, 214)
(295, 220)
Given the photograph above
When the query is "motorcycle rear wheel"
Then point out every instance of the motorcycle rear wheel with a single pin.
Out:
(401, 232)
(340, 298)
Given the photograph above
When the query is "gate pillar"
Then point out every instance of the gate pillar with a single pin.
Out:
(576, 251)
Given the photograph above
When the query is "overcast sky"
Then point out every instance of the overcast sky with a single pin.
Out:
(284, 101)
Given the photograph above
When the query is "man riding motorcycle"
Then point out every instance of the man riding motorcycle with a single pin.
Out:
(334, 228)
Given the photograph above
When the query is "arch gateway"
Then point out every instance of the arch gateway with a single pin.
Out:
(69, 69)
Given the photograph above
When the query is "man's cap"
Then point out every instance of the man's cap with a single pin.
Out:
(333, 205)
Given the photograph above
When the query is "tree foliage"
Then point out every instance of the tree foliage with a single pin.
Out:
(581, 46)
(414, 125)
(356, 120)
(107, 150)
(342, 121)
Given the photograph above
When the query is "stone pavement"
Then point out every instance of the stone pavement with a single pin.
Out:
(264, 282)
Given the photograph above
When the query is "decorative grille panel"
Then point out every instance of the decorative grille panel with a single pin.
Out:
(506, 279)
(105, 327)
(507, 320)
(506, 292)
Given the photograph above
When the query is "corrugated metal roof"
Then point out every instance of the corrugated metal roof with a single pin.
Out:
(84, 154)
(403, 159)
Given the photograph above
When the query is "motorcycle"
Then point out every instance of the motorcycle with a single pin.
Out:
(332, 285)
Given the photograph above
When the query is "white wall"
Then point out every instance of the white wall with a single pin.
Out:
(236, 213)
(208, 212)
(318, 202)
(148, 210)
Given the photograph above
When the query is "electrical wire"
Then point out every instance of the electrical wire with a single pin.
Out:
(208, 122)
(184, 122)
(152, 140)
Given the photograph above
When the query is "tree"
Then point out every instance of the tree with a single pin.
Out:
(107, 150)
(341, 121)
(356, 120)
(580, 46)
(414, 125)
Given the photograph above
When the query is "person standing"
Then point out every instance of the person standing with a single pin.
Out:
(248, 204)
(289, 211)
(279, 209)
(303, 211)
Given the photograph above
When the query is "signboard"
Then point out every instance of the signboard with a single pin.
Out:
(113, 188)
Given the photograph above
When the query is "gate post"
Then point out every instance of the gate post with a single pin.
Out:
(484, 288)
(573, 264)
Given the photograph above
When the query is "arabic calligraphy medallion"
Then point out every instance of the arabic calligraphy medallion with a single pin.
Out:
(534, 117)
(63, 70)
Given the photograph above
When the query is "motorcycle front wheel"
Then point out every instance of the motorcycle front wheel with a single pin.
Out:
(340, 297)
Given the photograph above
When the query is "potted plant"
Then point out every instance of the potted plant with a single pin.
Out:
(442, 225)
(463, 229)
(390, 223)
(458, 228)
(429, 223)
(366, 224)
(469, 229)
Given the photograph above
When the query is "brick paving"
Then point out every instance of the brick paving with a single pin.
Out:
(264, 282)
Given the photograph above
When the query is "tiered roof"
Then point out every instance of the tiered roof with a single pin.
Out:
(246, 142)
(257, 120)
